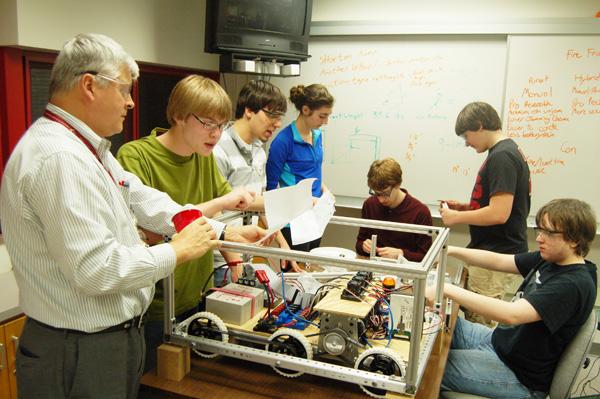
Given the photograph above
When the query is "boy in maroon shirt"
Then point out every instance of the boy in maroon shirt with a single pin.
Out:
(390, 203)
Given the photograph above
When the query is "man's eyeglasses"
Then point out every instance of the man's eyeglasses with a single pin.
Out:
(274, 116)
(211, 126)
(386, 193)
(546, 232)
(124, 87)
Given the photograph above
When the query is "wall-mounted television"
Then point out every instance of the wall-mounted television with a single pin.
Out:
(278, 28)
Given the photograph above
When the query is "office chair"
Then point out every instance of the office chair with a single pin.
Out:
(569, 365)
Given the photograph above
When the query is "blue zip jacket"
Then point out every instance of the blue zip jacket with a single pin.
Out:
(291, 159)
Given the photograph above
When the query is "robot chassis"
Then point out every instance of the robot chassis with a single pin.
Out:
(377, 370)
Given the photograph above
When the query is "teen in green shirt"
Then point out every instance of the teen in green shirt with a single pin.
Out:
(179, 161)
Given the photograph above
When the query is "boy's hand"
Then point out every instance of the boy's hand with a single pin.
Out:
(284, 262)
(194, 240)
(455, 205)
(430, 294)
(449, 216)
(366, 246)
(238, 199)
(390, 252)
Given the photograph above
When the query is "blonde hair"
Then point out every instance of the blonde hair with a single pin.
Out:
(198, 95)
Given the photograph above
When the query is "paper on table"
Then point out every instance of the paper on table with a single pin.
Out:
(312, 223)
(285, 204)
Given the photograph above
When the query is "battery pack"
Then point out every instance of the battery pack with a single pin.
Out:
(235, 303)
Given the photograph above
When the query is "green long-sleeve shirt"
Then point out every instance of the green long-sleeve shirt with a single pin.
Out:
(188, 180)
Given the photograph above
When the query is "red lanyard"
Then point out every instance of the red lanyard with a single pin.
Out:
(56, 118)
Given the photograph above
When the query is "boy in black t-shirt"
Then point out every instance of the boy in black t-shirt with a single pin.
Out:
(518, 358)
(500, 200)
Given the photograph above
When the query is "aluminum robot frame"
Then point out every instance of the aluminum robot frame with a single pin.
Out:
(419, 350)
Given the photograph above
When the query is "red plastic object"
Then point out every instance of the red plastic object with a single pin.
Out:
(261, 276)
(235, 262)
(183, 218)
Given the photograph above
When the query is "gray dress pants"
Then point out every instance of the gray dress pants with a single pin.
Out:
(53, 363)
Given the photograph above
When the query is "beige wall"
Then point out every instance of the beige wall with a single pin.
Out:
(8, 21)
(169, 32)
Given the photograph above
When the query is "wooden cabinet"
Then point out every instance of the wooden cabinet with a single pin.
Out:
(9, 340)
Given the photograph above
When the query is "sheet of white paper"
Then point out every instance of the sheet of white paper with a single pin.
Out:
(304, 228)
(312, 223)
(284, 204)
(324, 209)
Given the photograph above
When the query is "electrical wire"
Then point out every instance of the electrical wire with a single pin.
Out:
(379, 290)
(314, 300)
(356, 296)
(270, 301)
(584, 380)
(391, 324)
(589, 381)
(210, 277)
(286, 306)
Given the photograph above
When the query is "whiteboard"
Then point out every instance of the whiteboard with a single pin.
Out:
(398, 96)
(552, 111)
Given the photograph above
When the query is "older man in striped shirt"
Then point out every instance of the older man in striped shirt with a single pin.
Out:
(70, 215)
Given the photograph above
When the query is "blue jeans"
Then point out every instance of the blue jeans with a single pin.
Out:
(473, 366)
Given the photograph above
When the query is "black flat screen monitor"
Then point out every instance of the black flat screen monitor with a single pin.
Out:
(279, 28)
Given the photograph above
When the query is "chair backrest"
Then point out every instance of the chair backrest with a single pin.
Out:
(572, 359)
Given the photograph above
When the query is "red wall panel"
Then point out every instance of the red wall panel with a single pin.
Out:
(12, 98)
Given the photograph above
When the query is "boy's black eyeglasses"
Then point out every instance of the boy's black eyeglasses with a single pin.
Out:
(276, 116)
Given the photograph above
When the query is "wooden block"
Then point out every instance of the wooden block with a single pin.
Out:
(173, 362)
(186, 360)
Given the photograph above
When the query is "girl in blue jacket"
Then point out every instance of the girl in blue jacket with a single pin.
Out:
(297, 151)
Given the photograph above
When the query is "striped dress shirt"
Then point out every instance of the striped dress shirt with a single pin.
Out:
(70, 229)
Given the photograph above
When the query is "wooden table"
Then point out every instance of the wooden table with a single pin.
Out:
(225, 377)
